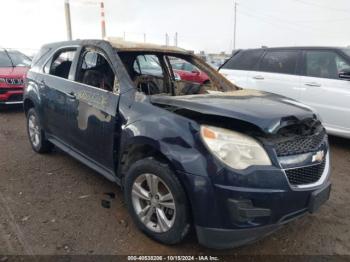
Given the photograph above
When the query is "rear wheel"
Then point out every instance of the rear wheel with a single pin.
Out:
(156, 201)
(36, 134)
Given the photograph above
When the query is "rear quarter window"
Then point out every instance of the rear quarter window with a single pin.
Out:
(244, 60)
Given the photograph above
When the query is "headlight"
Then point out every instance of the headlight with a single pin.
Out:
(2, 80)
(234, 149)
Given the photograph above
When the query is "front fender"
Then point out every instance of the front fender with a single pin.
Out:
(176, 140)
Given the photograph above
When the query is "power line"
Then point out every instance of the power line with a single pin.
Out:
(295, 25)
(293, 22)
(323, 6)
(272, 22)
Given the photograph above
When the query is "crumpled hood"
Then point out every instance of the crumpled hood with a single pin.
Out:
(267, 111)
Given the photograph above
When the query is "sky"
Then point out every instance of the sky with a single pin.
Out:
(201, 24)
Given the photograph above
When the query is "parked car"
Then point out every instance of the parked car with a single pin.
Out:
(189, 72)
(235, 164)
(13, 68)
(316, 76)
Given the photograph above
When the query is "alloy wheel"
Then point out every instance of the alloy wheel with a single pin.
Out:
(34, 130)
(153, 202)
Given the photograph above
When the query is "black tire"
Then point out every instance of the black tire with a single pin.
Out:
(181, 224)
(43, 146)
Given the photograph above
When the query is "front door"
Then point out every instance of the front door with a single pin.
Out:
(325, 91)
(93, 111)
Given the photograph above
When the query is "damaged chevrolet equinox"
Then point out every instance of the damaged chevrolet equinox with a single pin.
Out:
(233, 164)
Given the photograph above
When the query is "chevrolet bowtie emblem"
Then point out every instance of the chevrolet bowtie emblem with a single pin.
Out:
(318, 157)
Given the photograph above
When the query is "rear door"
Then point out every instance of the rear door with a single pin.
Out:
(92, 109)
(55, 85)
(237, 67)
(324, 90)
(277, 73)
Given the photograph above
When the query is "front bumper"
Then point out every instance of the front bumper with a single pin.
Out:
(220, 238)
(229, 238)
(11, 97)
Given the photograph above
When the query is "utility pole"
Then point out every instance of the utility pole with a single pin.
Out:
(234, 26)
(144, 37)
(68, 21)
(175, 39)
(103, 21)
(166, 39)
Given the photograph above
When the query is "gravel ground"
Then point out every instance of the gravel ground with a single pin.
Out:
(51, 204)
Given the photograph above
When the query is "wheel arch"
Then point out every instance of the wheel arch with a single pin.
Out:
(141, 148)
(28, 104)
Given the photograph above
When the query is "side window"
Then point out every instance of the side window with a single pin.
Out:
(283, 62)
(61, 64)
(244, 60)
(189, 67)
(148, 65)
(177, 65)
(342, 64)
(324, 64)
(89, 61)
(94, 70)
(182, 65)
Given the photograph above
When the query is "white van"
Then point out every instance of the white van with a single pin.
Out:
(316, 76)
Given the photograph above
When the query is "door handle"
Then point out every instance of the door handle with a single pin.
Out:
(313, 84)
(71, 95)
(258, 77)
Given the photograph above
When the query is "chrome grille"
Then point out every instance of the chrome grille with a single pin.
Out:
(306, 175)
(14, 81)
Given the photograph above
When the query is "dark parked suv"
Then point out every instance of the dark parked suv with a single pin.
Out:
(235, 164)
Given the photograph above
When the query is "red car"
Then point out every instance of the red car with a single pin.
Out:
(13, 68)
(189, 72)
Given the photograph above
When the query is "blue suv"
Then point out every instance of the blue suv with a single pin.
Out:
(234, 164)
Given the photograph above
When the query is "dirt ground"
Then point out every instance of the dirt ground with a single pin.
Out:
(51, 204)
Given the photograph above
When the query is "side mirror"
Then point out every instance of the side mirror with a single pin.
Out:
(345, 74)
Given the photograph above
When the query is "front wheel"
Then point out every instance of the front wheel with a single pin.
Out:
(36, 134)
(156, 201)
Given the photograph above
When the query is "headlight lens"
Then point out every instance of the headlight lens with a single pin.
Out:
(2, 80)
(234, 149)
